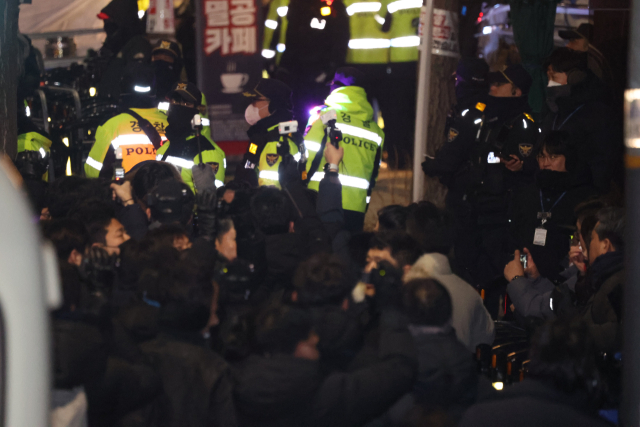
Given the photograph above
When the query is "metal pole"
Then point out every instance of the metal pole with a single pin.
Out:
(630, 409)
(422, 106)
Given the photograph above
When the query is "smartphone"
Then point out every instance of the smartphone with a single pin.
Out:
(524, 259)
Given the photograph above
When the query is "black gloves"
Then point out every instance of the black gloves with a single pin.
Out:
(207, 202)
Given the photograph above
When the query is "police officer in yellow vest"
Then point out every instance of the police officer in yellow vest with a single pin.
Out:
(348, 111)
(34, 149)
(270, 107)
(398, 104)
(168, 64)
(184, 148)
(133, 135)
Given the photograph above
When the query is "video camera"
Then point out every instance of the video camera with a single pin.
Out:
(334, 135)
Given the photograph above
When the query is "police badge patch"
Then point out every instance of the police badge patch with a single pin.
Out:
(525, 149)
(453, 134)
(214, 166)
(272, 159)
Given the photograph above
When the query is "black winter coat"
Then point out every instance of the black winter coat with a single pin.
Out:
(561, 225)
(282, 390)
(594, 129)
(532, 403)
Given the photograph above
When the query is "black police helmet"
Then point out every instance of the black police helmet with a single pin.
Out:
(278, 93)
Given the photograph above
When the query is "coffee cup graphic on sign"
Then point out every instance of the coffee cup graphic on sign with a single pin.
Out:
(233, 82)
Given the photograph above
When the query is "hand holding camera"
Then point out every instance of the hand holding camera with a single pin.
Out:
(521, 265)
(333, 155)
(123, 192)
(514, 268)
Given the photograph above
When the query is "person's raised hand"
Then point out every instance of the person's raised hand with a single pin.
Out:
(514, 165)
(333, 155)
(514, 267)
(576, 257)
(532, 270)
(123, 192)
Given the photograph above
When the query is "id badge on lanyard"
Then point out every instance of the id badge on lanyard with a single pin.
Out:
(540, 235)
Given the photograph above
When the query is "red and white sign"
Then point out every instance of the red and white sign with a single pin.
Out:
(445, 33)
(230, 27)
(160, 19)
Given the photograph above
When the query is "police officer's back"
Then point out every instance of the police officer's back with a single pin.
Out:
(137, 132)
(184, 147)
(270, 106)
(362, 140)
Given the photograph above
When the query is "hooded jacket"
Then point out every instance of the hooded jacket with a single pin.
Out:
(470, 319)
(362, 141)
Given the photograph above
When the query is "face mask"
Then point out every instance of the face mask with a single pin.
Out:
(166, 77)
(553, 83)
(554, 93)
(252, 114)
(179, 116)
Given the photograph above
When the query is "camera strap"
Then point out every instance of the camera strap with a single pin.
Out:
(317, 159)
(147, 128)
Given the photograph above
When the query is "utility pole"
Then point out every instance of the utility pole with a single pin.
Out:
(9, 66)
(436, 92)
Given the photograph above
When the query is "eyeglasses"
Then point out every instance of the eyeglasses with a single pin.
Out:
(550, 157)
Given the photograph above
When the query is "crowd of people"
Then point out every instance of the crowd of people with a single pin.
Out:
(261, 301)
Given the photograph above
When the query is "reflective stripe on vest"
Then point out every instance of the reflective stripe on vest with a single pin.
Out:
(272, 175)
(363, 7)
(369, 43)
(94, 163)
(407, 41)
(359, 132)
(403, 4)
(268, 53)
(282, 10)
(345, 180)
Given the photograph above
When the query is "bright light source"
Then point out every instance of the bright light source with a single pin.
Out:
(525, 123)
(464, 113)
(28, 110)
(270, 23)
(318, 25)
(164, 106)
(268, 53)
(477, 121)
(142, 89)
(281, 47)
(206, 122)
(68, 171)
(49, 119)
(42, 152)
(487, 30)
(325, 11)
(498, 386)
(380, 122)
(92, 91)
(141, 14)
(65, 141)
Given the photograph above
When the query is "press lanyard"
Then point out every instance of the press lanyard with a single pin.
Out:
(546, 215)
(565, 120)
